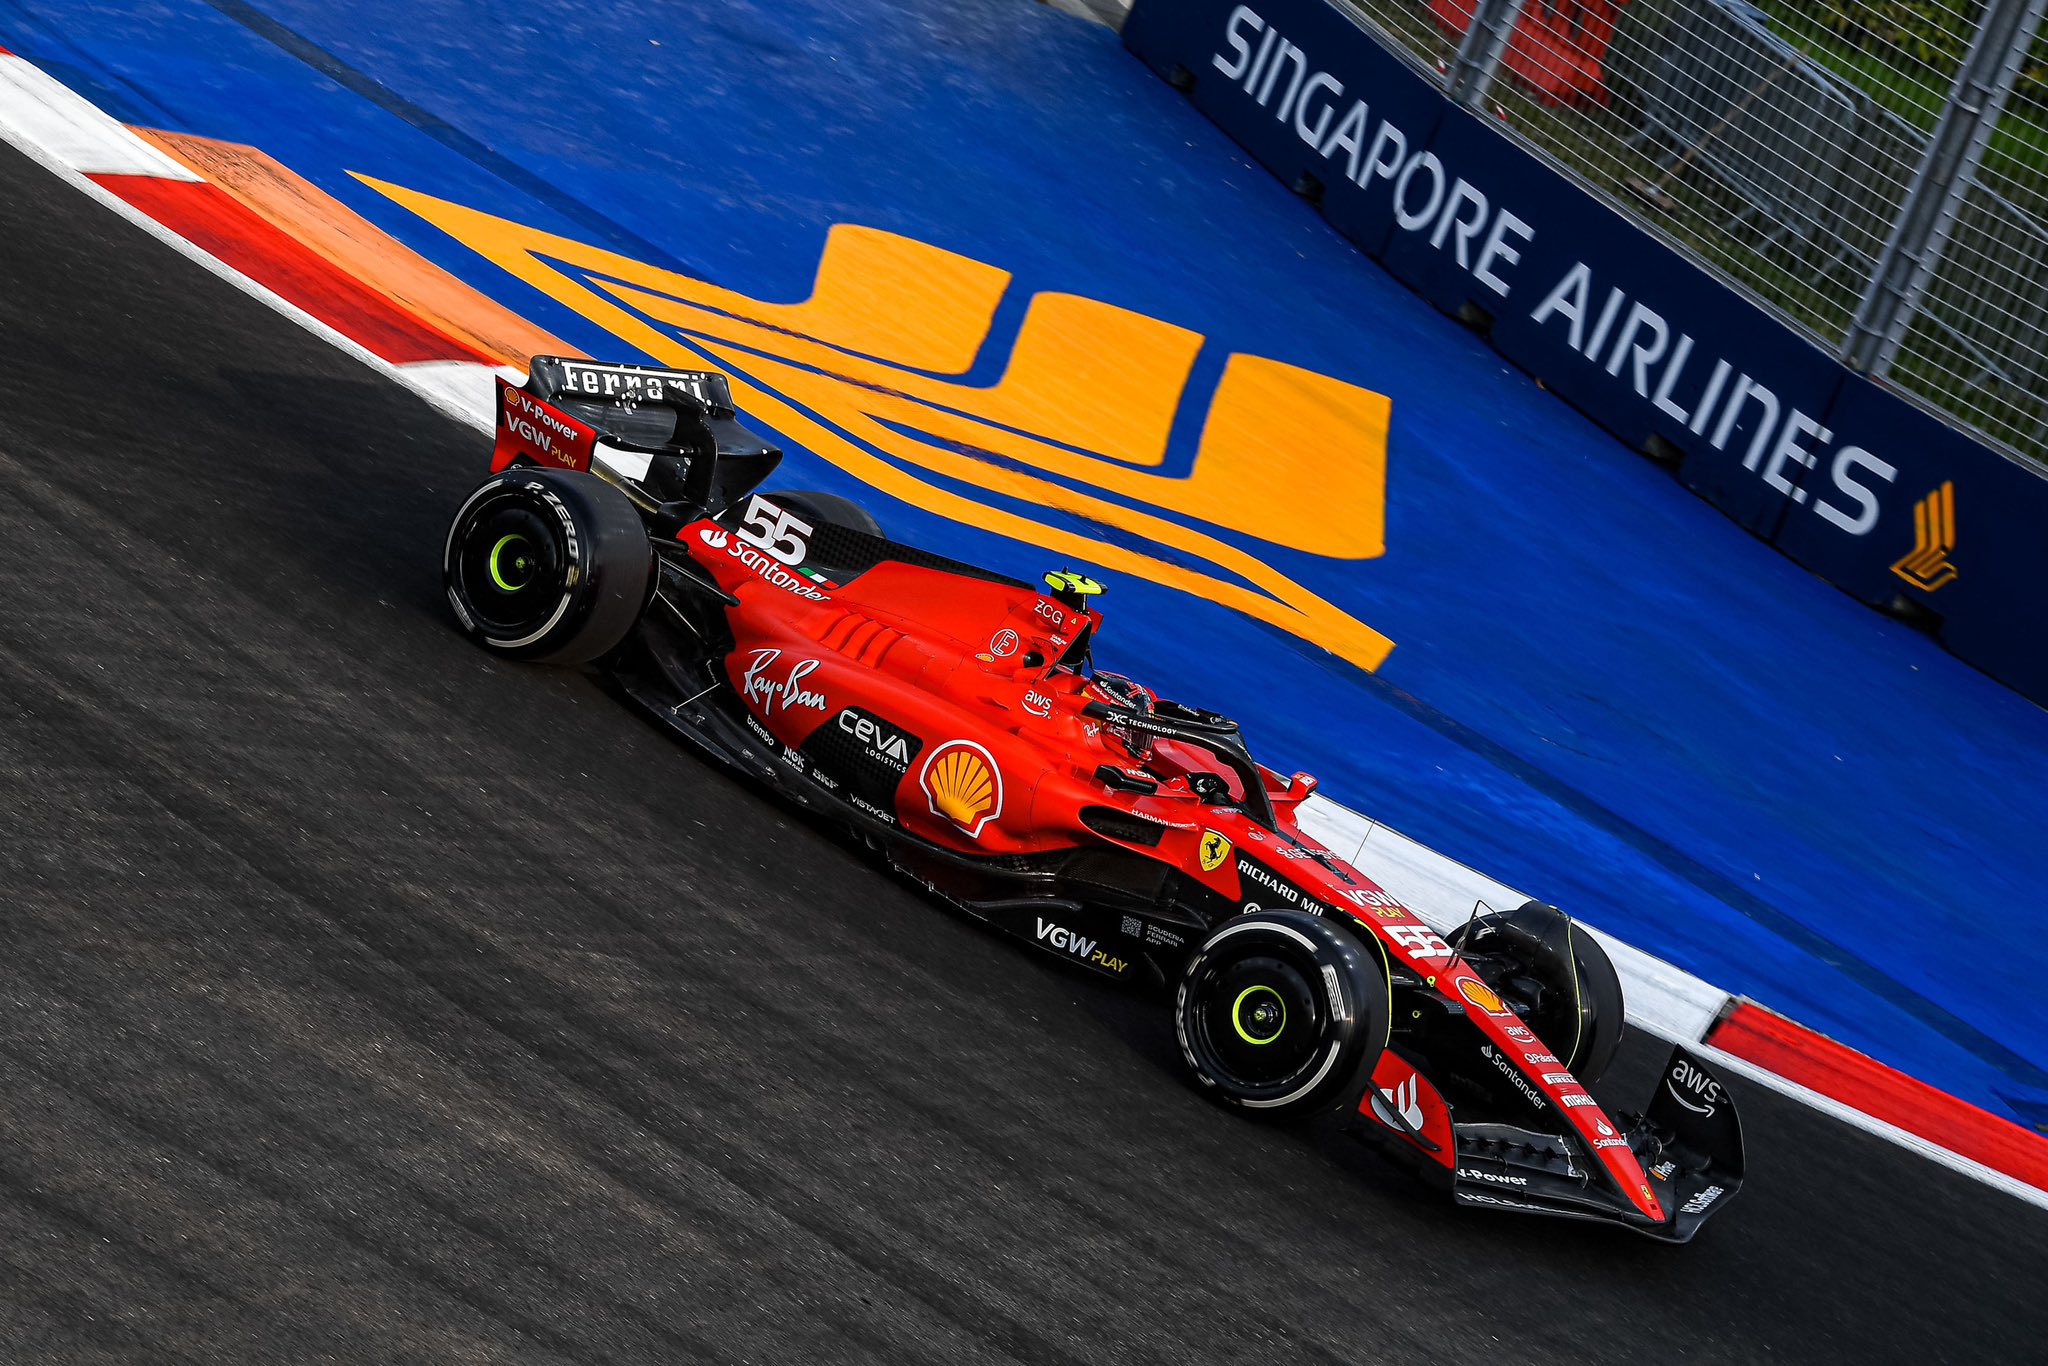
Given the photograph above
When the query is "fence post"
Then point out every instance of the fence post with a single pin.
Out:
(1479, 51)
(1946, 171)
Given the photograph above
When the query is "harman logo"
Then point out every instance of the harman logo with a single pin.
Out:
(880, 370)
(963, 784)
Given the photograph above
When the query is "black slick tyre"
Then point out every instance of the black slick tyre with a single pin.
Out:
(815, 507)
(1280, 1014)
(547, 565)
(1555, 976)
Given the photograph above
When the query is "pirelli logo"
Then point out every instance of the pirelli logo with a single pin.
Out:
(1926, 566)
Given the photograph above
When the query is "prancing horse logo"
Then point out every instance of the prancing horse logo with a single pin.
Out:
(1215, 849)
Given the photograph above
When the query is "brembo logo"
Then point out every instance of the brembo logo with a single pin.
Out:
(880, 371)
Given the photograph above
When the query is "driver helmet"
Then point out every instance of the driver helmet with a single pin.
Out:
(1129, 695)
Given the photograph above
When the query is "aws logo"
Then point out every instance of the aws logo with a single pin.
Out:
(871, 373)
(963, 784)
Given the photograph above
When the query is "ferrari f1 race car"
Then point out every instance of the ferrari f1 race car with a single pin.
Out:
(955, 720)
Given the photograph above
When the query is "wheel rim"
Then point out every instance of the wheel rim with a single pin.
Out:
(1256, 1022)
(510, 562)
(1259, 1015)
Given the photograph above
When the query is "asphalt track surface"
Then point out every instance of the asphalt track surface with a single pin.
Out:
(365, 999)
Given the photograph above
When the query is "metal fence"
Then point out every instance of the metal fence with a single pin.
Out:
(1874, 171)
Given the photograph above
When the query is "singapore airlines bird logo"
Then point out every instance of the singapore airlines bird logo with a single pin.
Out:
(1926, 566)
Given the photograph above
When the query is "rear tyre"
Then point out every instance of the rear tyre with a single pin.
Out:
(1555, 976)
(548, 565)
(815, 507)
(1280, 1014)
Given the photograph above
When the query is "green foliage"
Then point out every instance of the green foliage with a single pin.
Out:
(1922, 32)
(1925, 33)
(2033, 84)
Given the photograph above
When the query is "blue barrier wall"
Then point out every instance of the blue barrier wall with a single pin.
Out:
(1844, 477)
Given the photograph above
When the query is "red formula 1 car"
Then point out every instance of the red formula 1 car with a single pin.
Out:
(956, 719)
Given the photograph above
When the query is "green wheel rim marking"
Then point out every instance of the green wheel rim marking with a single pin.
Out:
(497, 554)
(1237, 1013)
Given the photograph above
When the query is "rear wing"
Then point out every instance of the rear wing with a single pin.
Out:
(671, 435)
(554, 378)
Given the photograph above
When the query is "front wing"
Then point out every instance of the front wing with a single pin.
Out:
(1689, 1142)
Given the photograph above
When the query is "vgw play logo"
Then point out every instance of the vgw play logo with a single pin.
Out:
(868, 373)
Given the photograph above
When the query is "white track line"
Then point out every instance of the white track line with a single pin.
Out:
(38, 114)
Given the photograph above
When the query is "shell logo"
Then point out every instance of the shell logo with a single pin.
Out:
(963, 784)
(1482, 996)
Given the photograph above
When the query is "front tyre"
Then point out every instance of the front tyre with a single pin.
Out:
(548, 565)
(1280, 1014)
(1555, 976)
